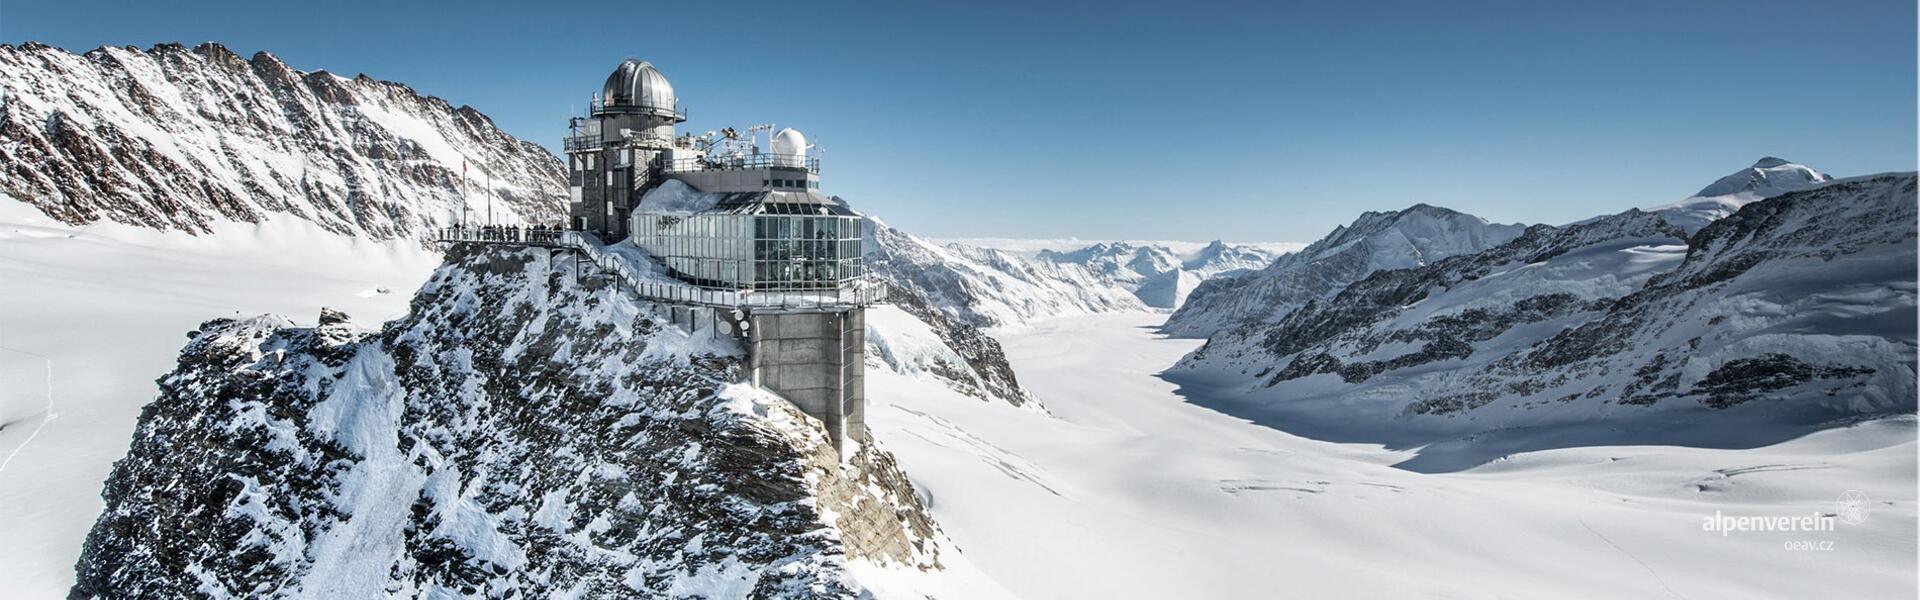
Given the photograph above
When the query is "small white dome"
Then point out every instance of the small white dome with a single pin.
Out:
(789, 142)
(789, 148)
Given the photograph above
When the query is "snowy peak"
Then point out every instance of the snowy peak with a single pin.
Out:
(1416, 236)
(986, 287)
(176, 139)
(1767, 177)
(1156, 273)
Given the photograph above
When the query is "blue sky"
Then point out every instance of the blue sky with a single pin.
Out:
(1255, 121)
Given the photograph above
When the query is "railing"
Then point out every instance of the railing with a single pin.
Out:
(861, 292)
(749, 161)
(580, 142)
(531, 236)
(598, 106)
(592, 141)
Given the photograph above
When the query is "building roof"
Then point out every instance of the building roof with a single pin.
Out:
(785, 203)
(636, 84)
(674, 197)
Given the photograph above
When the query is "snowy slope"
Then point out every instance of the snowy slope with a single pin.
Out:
(177, 138)
(91, 316)
(518, 433)
(1767, 178)
(1159, 275)
(1416, 236)
(1793, 311)
(1130, 490)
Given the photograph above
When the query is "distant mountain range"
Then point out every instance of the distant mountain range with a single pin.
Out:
(1796, 306)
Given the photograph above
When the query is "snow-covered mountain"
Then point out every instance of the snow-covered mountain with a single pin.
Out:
(945, 295)
(1157, 274)
(177, 138)
(518, 434)
(149, 190)
(1416, 236)
(1796, 309)
(1767, 178)
(986, 287)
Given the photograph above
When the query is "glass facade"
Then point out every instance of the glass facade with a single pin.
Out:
(755, 251)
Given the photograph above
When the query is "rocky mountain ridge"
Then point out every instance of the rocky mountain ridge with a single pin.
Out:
(1418, 235)
(176, 138)
(522, 432)
(1158, 276)
(1798, 308)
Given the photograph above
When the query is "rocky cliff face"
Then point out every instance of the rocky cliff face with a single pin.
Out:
(522, 433)
(1801, 306)
(176, 138)
(1417, 236)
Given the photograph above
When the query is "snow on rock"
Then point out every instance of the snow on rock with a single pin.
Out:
(1795, 310)
(1159, 275)
(1416, 236)
(176, 139)
(1767, 178)
(953, 292)
(521, 433)
(985, 287)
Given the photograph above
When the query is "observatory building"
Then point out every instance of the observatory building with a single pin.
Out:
(784, 261)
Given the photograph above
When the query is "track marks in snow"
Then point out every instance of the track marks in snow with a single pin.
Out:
(45, 417)
(1008, 463)
(1722, 479)
(1643, 564)
(1240, 487)
(1735, 471)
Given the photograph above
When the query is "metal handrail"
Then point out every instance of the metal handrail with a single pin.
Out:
(867, 290)
(591, 141)
(599, 106)
(747, 161)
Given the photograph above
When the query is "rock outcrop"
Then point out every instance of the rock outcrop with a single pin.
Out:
(180, 138)
(523, 432)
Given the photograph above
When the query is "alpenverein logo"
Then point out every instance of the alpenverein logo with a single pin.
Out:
(1852, 507)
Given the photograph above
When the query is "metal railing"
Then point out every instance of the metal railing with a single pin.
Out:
(748, 161)
(858, 293)
(599, 106)
(530, 236)
(574, 143)
(592, 141)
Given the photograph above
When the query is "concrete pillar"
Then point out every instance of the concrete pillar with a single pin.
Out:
(816, 360)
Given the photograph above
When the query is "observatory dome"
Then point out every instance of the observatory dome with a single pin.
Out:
(636, 84)
(789, 141)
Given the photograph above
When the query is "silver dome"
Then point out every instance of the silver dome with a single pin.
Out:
(635, 84)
